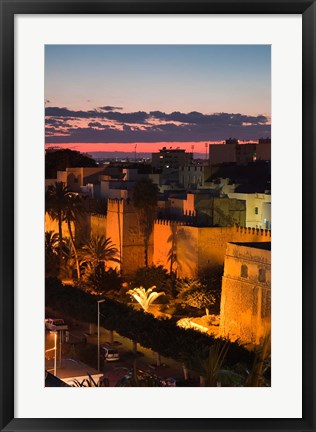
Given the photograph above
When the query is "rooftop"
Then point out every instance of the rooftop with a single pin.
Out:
(255, 245)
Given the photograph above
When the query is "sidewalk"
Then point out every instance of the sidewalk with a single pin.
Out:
(72, 369)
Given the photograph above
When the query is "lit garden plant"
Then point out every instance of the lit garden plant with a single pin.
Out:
(145, 297)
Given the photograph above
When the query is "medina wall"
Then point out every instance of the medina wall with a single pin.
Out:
(246, 298)
(52, 225)
(122, 225)
(198, 248)
(98, 225)
(80, 229)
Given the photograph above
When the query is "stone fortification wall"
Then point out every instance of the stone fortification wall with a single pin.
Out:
(198, 248)
(52, 225)
(122, 225)
(246, 297)
(98, 225)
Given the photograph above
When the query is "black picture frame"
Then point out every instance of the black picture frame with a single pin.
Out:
(8, 10)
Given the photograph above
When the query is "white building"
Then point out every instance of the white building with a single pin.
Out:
(258, 208)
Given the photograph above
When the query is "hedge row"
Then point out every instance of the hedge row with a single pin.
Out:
(161, 335)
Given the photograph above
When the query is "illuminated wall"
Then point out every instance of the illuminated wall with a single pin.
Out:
(52, 225)
(89, 225)
(98, 225)
(246, 292)
(198, 248)
(122, 225)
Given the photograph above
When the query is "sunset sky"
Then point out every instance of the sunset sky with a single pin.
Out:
(110, 97)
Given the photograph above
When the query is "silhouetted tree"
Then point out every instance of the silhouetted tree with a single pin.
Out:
(61, 159)
(145, 197)
(73, 213)
(51, 254)
(172, 254)
(153, 275)
(95, 254)
(56, 201)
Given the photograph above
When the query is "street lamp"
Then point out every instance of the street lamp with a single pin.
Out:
(99, 301)
(55, 357)
(55, 351)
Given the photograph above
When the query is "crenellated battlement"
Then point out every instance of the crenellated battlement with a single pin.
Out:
(121, 205)
(260, 232)
(168, 222)
(253, 231)
(98, 216)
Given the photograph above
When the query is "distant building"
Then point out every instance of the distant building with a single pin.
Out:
(115, 188)
(246, 292)
(242, 154)
(191, 177)
(237, 181)
(264, 149)
(204, 208)
(169, 158)
(78, 177)
(258, 208)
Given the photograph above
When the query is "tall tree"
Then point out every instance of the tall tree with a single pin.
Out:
(172, 254)
(145, 197)
(97, 252)
(262, 362)
(56, 202)
(210, 366)
(59, 160)
(74, 211)
(51, 254)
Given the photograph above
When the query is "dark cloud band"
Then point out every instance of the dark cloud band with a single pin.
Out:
(155, 126)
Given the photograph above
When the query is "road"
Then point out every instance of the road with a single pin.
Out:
(146, 359)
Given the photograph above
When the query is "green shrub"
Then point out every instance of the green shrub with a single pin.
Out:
(154, 275)
(160, 335)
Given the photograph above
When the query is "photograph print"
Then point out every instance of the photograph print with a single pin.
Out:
(157, 216)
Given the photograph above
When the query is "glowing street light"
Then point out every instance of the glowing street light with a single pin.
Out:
(55, 351)
(55, 357)
(99, 301)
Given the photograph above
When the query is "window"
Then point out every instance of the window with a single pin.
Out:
(256, 210)
(262, 275)
(244, 271)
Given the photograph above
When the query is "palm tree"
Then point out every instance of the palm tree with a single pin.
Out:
(51, 253)
(261, 363)
(73, 212)
(145, 197)
(209, 366)
(214, 362)
(172, 254)
(97, 252)
(51, 243)
(145, 297)
(55, 204)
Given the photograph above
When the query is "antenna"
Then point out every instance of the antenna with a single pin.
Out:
(135, 147)
(192, 147)
(206, 145)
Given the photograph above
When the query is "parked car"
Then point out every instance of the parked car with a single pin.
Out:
(54, 324)
(110, 354)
